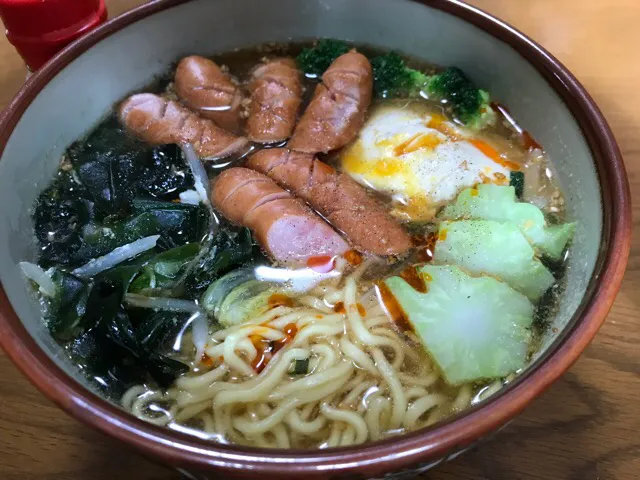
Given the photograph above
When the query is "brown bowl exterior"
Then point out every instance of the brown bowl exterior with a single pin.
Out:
(408, 454)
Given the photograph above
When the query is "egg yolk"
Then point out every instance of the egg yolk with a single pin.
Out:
(421, 161)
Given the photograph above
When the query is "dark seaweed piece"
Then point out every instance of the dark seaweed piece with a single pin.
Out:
(90, 315)
(102, 305)
(230, 249)
(165, 174)
(112, 190)
(114, 168)
(80, 215)
(164, 370)
(98, 240)
(164, 269)
(180, 222)
(79, 304)
(176, 223)
(516, 180)
(157, 331)
(109, 346)
(102, 239)
(300, 367)
(108, 164)
(108, 138)
(115, 368)
(112, 368)
(547, 306)
(58, 218)
(110, 181)
(169, 264)
(68, 306)
(53, 254)
(119, 330)
(105, 301)
(125, 273)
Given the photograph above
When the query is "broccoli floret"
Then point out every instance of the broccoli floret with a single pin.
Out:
(485, 116)
(454, 86)
(467, 101)
(391, 77)
(315, 60)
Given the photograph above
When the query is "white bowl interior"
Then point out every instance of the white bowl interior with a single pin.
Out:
(80, 95)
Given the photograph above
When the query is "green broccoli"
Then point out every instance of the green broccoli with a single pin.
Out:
(315, 60)
(469, 103)
(392, 78)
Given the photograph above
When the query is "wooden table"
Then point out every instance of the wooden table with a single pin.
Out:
(586, 427)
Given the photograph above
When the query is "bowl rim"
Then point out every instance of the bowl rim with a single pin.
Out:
(398, 452)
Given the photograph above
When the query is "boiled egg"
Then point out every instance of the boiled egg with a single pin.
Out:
(421, 160)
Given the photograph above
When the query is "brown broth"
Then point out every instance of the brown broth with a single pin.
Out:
(502, 142)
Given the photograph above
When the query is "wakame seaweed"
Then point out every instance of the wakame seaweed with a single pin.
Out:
(58, 219)
(231, 248)
(93, 204)
(114, 167)
(157, 331)
(112, 190)
(68, 307)
(163, 270)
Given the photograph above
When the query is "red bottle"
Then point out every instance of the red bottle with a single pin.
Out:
(39, 29)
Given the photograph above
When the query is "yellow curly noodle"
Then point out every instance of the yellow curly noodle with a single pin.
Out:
(366, 379)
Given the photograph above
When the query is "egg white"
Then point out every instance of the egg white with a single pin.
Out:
(419, 159)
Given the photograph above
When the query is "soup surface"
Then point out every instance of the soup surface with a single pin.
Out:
(301, 246)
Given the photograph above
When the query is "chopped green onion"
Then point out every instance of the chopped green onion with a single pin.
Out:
(300, 367)
(516, 180)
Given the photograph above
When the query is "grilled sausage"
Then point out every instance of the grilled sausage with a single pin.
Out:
(276, 92)
(337, 197)
(282, 224)
(202, 86)
(338, 107)
(159, 121)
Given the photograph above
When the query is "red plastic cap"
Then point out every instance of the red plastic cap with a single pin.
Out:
(40, 28)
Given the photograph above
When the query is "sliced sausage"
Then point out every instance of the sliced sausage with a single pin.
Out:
(202, 86)
(338, 107)
(337, 197)
(276, 91)
(282, 224)
(159, 121)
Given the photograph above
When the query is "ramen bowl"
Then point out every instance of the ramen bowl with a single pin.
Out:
(69, 95)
